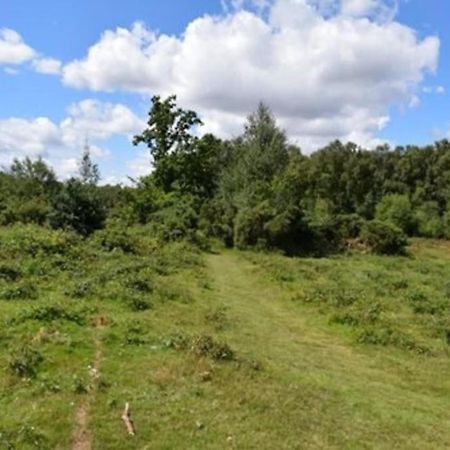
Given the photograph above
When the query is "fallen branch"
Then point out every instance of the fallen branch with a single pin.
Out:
(126, 417)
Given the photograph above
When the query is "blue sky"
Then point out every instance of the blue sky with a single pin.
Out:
(349, 69)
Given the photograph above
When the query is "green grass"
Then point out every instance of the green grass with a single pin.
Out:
(225, 350)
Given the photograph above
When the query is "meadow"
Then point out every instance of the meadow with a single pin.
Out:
(219, 348)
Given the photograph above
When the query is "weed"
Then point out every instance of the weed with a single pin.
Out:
(386, 336)
(24, 361)
(139, 284)
(80, 386)
(138, 304)
(9, 273)
(81, 289)
(218, 318)
(207, 346)
(54, 312)
(22, 291)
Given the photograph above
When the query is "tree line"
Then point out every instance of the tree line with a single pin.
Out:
(256, 190)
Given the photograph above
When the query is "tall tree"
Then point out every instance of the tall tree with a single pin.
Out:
(88, 170)
(168, 134)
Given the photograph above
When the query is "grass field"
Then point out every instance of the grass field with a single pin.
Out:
(221, 350)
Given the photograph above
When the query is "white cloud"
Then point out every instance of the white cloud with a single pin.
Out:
(325, 77)
(61, 144)
(359, 8)
(140, 165)
(48, 66)
(27, 137)
(13, 49)
(98, 121)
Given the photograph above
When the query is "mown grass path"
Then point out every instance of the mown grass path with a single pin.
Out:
(322, 390)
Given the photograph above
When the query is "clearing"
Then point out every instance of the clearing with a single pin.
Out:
(238, 350)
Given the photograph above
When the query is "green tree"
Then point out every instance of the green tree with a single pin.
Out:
(88, 170)
(397, 209)
(168, 134)
(77, 206)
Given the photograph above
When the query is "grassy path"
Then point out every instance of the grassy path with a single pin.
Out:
(328, 392)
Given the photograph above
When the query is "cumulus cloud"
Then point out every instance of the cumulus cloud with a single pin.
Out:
(98, 121)
(47, 66)
(13, 50)
(325, 76)
(61, 144)
(381, 10)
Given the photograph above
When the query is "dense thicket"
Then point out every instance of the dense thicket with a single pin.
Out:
(256, 190)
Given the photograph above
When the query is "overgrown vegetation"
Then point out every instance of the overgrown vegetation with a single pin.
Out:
(255, 191)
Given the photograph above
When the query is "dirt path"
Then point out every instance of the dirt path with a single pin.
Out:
(82, 436)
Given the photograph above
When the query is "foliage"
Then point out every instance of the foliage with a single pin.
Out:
(383, 238)
(77, 207)
(34, 240)
(396, 209)
(89, 172)
(24, 361)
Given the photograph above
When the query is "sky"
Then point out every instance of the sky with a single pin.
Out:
(71, 71)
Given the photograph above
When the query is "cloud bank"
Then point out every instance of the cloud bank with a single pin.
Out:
(61, 144)
(328, 69)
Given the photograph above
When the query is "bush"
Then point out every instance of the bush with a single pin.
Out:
(24, 361)
(429, 222)
(117, 236)
(34, 240)
(383, 238)
(204, 346)
(207, 346)
(138, 304)
(249, 227)
(21, 291)
(348, 226)
(80, 289)
(9, 273)
(53, 313)
(78, 207)
(397, 210)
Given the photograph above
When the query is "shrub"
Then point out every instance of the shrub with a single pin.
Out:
(383, 238)
(249, 227)
(34, 240)
(9, 273)
(429, 222)
(387, 336)
(207, 346)
(139, 283)
(174, 221)
(355, 317)
(54, 312)
(116, 236)
(77, 207)
(204, 346)
(24, 361)
(138, 304)
(397, 210)
(348, 226)
(22, 291)
(80, 289)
